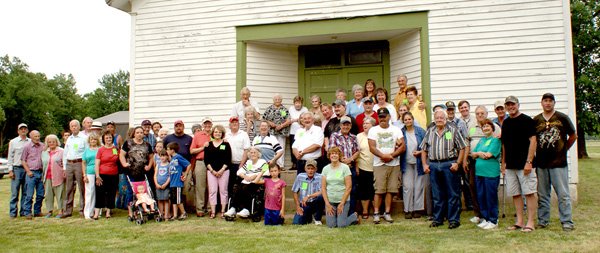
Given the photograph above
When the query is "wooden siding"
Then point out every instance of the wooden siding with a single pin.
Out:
(405, 58)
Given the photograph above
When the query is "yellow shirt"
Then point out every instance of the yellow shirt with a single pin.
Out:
(419, 115)
(365, 158)
(400, 99)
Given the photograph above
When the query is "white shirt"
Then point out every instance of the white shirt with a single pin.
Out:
(385, 142)
(239, 142)
(295, 114)
(15, 150)
(238, 109)
(74, 148)
(305, 138)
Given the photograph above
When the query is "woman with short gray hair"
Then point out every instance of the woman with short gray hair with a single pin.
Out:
(53, 176)
(250, 123)
(279, 121)
(355, 106)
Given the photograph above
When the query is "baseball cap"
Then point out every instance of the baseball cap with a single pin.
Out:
(345, 119)
(178, 122)
(450, 105)
(234, 118)
(339, 102)
(382, 112)
(146, 122)
(96, 125)
(442, 106)
(498, 104)
(310, 162)
(22, 125)
(548, 95)
(511, 99)
(368, 99)
(205, 119)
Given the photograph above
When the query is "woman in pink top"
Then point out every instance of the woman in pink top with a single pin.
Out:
(53, 174)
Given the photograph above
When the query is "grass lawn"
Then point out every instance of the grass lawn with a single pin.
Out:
(203, 234)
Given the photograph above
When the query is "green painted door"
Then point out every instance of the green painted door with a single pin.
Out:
(324, 82)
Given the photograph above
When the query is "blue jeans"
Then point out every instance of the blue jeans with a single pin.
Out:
(341, 220)
(34, 183)
(314, 207)
(272, 217)
(17, 187)
(487, 197)
(445, 191)
(557, 178)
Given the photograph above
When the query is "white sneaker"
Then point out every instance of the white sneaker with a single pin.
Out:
(244, 213)
(490, 225)
(475, 220)
(318, 223)
(376, 218)
(482, 224)
(230, 212)
(387, 217)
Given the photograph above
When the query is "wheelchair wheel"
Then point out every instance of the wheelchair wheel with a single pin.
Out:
(228, 218)
(256, 218)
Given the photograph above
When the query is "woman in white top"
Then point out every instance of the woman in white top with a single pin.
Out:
(295, 111)
(382, 101)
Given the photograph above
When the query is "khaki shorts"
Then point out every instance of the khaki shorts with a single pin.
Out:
(519, 184)
(386, 179)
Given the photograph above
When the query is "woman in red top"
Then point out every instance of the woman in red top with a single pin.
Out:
(107, 175)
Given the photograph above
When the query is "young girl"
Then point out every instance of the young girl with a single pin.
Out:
(274, 197)
(144, 198)
(159, 147)
(162, 180)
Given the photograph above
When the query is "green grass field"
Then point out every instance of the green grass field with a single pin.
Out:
(206, 235)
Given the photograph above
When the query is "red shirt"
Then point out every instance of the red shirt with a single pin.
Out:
(360, 120)
(108, 160)
(198, 141)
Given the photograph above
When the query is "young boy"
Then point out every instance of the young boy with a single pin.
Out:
(177, 177)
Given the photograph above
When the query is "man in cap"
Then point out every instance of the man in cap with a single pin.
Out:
(31, 159)
(458, 122)
(16, 172)
(386, 143)
(368, 103)
(443, 150)
(197, 150)
(500, 112)
(339, 107)
(519, 144)
(555, 136)
(348, 144)
(240, 145)
(72, 154)
(148, 135)
(307, 195)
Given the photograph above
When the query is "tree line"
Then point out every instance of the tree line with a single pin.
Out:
(47, 104)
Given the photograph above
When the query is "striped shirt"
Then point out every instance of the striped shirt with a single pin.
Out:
(268, 145)
(305, 186)
(444, 146)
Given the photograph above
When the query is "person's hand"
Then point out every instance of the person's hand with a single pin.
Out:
(206, 145)
(147, 168)
(329, 209)
(416, 153)
(11, 175)
(340, 208)
(299, 210)
(282, 213)
(256, 179)
(126, 165)
(387, 158)
(304, 200)
(299, 155)
(503, 168)
(527, 169)
(465, 167)
(426, 169)
(98, 181)
(64, 174)
(454, 167)
(29, 173)
(85, 179)
(182, 177)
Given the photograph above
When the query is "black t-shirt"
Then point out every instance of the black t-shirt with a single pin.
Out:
(137, 157)
(334, 126)
(515, 139)
(184, 141)
(552, 136)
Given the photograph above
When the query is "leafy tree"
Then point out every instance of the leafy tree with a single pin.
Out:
(585, 26)
(112, 95)
(71, 104)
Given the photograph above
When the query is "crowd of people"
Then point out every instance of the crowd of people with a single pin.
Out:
(351, 157)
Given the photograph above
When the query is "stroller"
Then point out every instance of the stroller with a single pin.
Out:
(139, 215)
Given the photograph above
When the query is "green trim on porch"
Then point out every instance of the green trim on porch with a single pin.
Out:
(240, 73)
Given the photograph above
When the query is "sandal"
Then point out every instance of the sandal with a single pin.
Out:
(527, 230)
(365, 216)
(212, 215)
(514, 227)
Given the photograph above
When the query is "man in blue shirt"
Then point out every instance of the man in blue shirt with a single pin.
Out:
(307, 195)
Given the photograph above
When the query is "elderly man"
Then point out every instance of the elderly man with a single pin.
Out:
(31, 159)
(555, 136)
(87, 126)
(308, 142)
(400, 97)
(201, 137)
(238, 108)
(519, 144)
(268, 144)
(149, 135)
(72, 164)
(475, 133)
(307, 195)
(240, 144)
(327, 112)
(334, 123)
(348, 144)
(386, 143)
(16, 172)
(500, 112)
(443, 149)
(461, 124)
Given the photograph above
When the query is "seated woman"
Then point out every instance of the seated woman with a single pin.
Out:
(142, 196)
(250, 174)
(336, 184)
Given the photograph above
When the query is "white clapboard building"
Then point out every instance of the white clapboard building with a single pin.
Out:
(190, 58)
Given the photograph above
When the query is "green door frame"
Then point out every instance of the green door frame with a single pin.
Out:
(413, 20)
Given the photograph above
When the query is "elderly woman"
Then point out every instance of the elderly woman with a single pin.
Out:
(279, 121)
(381, 95)
(412, 169)
(88, 161)
(336, 185)
(107, 175)
(162, 133)
(250, 124)
(364, 163)
(136, 159)
(269, 146)
(315, 102)
(413, 104)
(355, 106)
(370, 88)
(250, 174)
(487, 175)
(217, 156)
(53, 176)
(238, 108)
